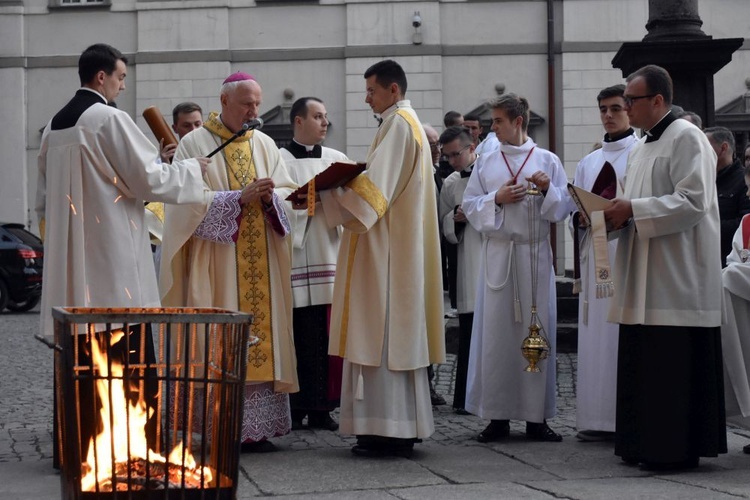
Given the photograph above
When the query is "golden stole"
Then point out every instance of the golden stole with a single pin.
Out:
(251, 251)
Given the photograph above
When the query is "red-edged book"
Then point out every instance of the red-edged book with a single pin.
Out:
(336, 175)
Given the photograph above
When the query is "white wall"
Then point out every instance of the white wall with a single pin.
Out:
(183, 50)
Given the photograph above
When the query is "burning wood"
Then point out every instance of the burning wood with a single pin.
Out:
(119, 456)
(160, 476)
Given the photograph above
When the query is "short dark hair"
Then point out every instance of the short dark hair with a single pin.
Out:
(456, 132)
(299, 108)
(695, 118)
(185, 108)
(514, 106)
(387, 72)
(613, 91)
(473, 118)
(721, 135)
(451, 118)
(96, 58)
(657, 81)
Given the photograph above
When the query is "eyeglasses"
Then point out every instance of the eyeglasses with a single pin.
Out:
(630, 98)
(448, 156)
(434, 145)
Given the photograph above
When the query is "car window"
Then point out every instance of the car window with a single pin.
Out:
(23, 235)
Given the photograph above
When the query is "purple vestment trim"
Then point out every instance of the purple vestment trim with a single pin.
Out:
(221, 223)
(276, 216)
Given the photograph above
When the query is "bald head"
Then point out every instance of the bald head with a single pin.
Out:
(433, 137)
(240, 103)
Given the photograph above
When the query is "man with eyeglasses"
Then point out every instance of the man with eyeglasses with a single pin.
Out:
(667, 300)
(458, 149)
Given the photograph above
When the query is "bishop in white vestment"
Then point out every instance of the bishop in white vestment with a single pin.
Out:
(233, 252)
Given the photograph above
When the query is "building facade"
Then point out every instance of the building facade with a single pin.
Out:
(457, 53)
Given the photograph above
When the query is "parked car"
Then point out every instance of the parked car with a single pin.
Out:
(21, 261)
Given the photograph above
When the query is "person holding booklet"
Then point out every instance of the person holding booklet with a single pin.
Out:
(387, 312)
(600, 172)
(670, 397)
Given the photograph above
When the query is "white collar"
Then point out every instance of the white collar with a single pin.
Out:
(510, 149)
(96, 92)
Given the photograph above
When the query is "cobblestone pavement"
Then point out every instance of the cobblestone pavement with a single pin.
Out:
(25, 390)
(26, 399)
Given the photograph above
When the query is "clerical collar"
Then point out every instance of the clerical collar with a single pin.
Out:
(95, 92)
(617, 137)
(654, 133)
(300, 151)
(406, 103)
(467, 171)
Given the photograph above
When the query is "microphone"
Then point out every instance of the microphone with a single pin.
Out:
(251, 125)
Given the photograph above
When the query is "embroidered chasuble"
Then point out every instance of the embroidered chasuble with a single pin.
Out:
(251, 250)
(250, 271)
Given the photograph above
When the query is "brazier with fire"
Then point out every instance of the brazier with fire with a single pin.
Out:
(149, 401)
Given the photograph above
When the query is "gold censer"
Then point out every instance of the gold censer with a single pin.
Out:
(534, 347)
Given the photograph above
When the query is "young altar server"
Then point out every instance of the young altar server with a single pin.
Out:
(515, 271)
(601, 172)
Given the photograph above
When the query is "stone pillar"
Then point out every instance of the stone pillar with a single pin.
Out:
(670, 19)
(16, 192)
(676, 42)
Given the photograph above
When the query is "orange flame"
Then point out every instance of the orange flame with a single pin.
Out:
(113, 439)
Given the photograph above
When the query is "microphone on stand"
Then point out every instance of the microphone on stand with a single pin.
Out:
(254, 124)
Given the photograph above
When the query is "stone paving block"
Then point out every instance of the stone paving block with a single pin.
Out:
(626, 488)
(28, 480)
(342, 495)
(568, 460)
(712, 479)
(331, 470)
(480, 491)
(478, 464)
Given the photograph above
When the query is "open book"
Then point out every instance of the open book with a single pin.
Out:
(587, 202)
(336, 175)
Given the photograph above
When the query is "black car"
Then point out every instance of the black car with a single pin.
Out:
(21, 260)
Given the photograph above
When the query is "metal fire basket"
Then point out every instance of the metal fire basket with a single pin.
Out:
(149, 401)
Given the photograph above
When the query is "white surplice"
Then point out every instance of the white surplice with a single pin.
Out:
(735, 333)
(387, 312)
(93, 180)
(497, 386)
(315, 245)
(668, 265)
(468, 239)
(596, 385)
